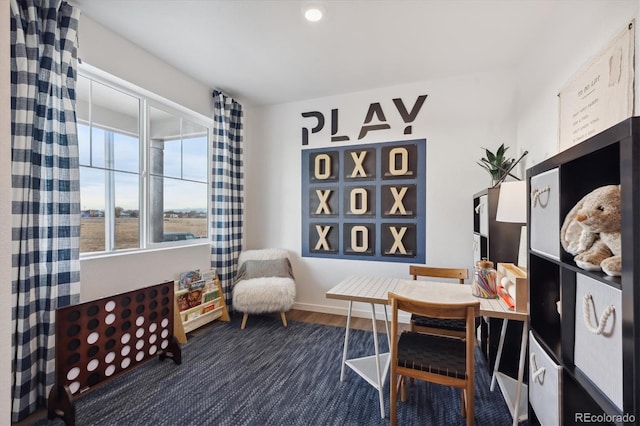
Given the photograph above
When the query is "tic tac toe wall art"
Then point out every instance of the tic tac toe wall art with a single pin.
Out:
(365, 202)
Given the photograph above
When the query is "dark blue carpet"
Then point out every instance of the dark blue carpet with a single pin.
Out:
(271, 375)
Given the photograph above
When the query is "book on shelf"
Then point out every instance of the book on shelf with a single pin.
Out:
(190, 297)
(208, 308)
(212, 295)
(189, 277)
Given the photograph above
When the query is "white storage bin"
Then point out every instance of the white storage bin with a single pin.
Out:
(598, 339)
(477, 247)
(483, 211)
(545, 384)
(545, 217)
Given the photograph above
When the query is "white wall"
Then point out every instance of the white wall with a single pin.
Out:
(460, 115)
(553, 61)
(5, 216)
(115, 55)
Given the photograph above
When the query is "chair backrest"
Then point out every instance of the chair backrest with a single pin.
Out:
(467, 311)
(460, 274)
(262, 254)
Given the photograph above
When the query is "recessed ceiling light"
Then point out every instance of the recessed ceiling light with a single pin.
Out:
(313, 13)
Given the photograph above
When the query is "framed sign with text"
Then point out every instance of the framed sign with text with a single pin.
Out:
(601, 95)
(365, 202)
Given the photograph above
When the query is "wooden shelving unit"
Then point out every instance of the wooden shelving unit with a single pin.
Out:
(211, 307)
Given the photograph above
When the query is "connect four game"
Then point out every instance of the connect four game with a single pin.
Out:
(98, 340)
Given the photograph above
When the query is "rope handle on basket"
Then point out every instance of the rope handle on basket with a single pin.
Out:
(538, 373)
(536, 193)
(586, 311)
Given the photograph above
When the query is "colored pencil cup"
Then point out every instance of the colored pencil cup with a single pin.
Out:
(484, 280)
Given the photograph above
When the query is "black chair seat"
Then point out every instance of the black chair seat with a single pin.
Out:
(445, 356)
(445, 324)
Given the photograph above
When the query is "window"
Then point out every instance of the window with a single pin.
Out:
(143, 168)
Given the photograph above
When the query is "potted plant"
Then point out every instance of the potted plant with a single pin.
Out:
(498, 165)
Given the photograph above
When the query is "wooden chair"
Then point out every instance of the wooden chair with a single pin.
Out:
(454, 328)
(439, 359)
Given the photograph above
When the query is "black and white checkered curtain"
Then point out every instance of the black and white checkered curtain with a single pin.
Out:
(227, 190)
(45, 190)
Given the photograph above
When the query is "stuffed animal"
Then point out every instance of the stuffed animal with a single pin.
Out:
(591, 231)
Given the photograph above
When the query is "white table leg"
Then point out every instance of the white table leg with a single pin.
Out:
(377, 352)
(503, 333)
(346, 343)
(523, 348)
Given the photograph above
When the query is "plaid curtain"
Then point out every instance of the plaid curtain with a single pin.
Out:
(45, 190)
(227, 190)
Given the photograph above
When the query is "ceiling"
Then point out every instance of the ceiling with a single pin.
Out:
(264, 52)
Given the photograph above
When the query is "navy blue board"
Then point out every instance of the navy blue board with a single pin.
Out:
(365, 202)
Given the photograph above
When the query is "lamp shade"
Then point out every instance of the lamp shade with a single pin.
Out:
(512, 202)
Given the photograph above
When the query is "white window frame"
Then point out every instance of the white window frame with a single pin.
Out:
(147, 99)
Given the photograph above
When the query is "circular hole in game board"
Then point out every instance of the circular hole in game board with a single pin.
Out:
(165, 301)
(109, 370)
(139, 332)
(153, 338)
(73, 373)
(110, 306)
(140, 309)
(93, 364)
(140, 297)
(93, 323)
(125, 301)
(125, 338)
(73, 358)
(164, 333)
(73, 316)
(153, 349)
(164, 323)
(139, 344)
(125, 362)
(73, 344)
(126, 313)
(125, 325)
(108, 359)
(153, 316)
(93, 379)
(153, 293)
(153, 327)
(110, 331)
(164, 344)
(74, 387)
(153, 304)
(93, 309)
(109, 319)
(93, 350)
(165, 312)
(140, 321)
(125, 350)
(139, 356)
(93, 337)
(165, 290)
(73, 330)
(111, 343)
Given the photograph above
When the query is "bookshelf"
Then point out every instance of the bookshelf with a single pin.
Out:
(197, 305)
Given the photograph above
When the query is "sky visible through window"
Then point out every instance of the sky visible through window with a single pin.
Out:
(178, 194)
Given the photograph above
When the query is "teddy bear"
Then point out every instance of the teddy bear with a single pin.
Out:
(591, 231)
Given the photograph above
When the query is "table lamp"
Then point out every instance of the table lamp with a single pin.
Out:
(512, 207)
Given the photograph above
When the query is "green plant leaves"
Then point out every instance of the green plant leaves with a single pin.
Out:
(496, 164)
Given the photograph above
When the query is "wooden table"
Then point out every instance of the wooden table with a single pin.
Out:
(374, 291)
